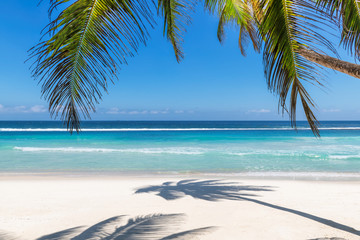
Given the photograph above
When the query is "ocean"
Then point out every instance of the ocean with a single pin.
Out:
(167, 147)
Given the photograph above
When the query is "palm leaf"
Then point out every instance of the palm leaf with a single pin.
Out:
(88, 41)
(176, 17)
(350, 35)
(287, 27)
(347, 13)
(241, 13)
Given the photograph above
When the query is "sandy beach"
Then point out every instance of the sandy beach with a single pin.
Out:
(176, 207)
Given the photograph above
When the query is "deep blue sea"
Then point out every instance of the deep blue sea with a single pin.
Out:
(180, 147)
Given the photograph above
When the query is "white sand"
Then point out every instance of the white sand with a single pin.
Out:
(34, 206)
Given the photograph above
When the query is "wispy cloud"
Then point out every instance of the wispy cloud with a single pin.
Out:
(159, 112)
(116, 110)
(38, 109)
(136, 112)
(113, 111)
(332, 110)
(23, 109)
(259, 111)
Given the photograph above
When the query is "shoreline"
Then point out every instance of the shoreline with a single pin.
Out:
(301, 176)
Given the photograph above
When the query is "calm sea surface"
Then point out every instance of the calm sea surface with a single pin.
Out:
(180, 146)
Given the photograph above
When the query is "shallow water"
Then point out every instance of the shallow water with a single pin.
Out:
(216, 147)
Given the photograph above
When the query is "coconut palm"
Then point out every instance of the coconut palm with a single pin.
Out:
(89, 40)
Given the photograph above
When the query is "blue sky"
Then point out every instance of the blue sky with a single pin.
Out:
(214, 81)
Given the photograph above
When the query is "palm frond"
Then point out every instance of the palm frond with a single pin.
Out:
(331, 7)
(347, 14)
(350, 36)
(241, 13)
(88, 42)
(221, 25)
(286, 28)
(176, 17)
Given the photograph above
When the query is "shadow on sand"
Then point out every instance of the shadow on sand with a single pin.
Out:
(150, 227)
(210, 190)
(214, 190)
(7, 236)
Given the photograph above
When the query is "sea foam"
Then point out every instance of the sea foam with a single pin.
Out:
(166, 129)
(175, 150)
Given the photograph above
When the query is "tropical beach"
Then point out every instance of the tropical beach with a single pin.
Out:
(179, 180)
(179, 119)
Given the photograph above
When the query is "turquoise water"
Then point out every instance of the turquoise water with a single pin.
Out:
(215, 147)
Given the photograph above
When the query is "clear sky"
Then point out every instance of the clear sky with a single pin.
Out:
(214, 81)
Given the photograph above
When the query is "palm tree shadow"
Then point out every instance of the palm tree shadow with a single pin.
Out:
(100, 230)
(326, 238)
(7, 236)
(62, 235)
(150, 227)
(214, 190)
(209, 190)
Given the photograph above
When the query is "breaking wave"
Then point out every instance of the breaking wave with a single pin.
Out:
(185, 151)
(167, 129)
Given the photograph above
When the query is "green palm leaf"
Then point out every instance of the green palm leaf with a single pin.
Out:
(88, 41)
(347, 13)
(287, 27)
(242, 13)
(350, 36)
(176, 17)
